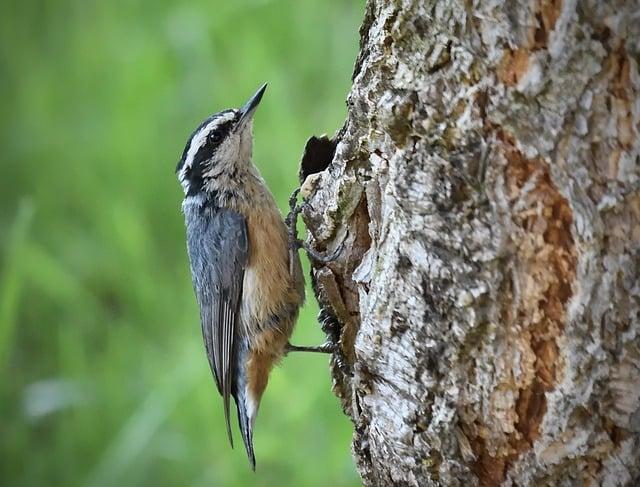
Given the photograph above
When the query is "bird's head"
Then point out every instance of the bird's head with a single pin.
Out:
(219, 144)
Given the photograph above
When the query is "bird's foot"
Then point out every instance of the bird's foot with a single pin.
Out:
(313, 253)
(294, 210)
(332, 329)
(294, 242)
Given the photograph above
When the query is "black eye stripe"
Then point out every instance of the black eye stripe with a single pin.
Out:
(220, 132)
(204, 123)
(204, 153)
(194, 173)
(213, 137)
(211, 144)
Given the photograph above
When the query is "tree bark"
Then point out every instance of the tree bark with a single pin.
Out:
(484, 195)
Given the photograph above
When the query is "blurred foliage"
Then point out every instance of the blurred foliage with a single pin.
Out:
(103, 376)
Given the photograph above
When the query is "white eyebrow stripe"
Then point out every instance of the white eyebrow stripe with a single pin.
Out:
(182, 177)
(200, 138)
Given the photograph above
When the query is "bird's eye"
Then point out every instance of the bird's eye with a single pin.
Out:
(214, 137)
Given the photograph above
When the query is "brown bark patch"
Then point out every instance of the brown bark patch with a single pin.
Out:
(545, 268)
(513, 66)
(616, 433)
(619, 70)
(622, 96)
(546, 18)
(515, 62)
(543, 264)
(490, 469)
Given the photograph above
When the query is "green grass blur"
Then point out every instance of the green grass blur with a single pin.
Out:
(103, 376)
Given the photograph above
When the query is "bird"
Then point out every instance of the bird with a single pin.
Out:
(245, 270)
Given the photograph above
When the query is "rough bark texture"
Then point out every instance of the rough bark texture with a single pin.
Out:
(485, 189)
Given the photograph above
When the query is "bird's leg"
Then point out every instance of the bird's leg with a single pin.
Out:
(324, 348)
(330, 324)
(331, 327)
(292, 219)
(294, 242)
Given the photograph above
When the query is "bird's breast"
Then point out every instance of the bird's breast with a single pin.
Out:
(269, 289)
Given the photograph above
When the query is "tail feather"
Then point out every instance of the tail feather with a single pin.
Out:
(246, 428)
(228, 384)
(246, 407)
(227, 420)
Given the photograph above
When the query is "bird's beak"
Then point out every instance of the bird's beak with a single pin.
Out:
(249, 108)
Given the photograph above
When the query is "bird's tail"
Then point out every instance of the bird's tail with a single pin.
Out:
(247, 405)
(246, 428)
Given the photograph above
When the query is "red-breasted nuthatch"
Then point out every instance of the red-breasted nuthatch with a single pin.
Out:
(246, 274)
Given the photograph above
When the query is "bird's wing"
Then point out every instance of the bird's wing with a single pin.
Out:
(218, 252)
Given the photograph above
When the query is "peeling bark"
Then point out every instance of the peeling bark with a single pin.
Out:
(485, 190)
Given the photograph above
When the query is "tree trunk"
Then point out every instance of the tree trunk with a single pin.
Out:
(484, 195)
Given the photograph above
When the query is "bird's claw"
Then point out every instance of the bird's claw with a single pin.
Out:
(319, 256)
(294, 242)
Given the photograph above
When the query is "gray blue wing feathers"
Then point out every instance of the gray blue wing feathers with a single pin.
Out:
(218, 251)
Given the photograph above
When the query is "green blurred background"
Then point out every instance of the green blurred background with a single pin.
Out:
(103, 376)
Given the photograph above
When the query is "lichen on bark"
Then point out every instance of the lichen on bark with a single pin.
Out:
(484, 191)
